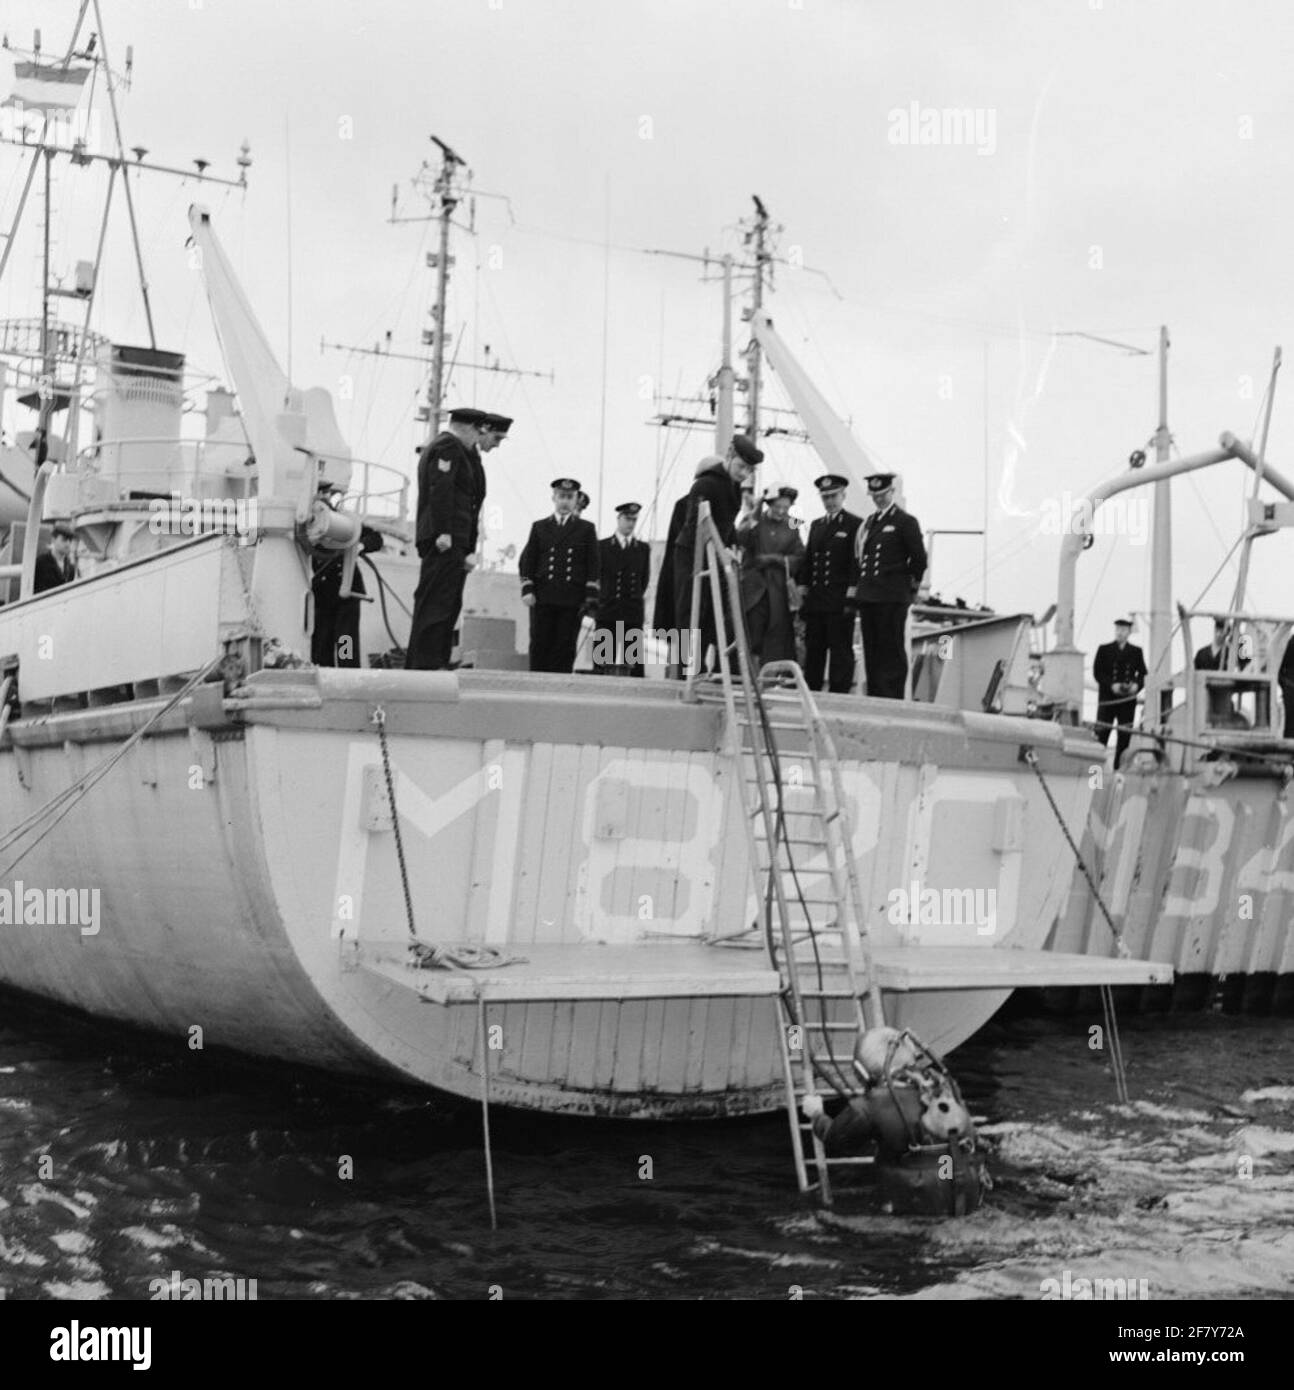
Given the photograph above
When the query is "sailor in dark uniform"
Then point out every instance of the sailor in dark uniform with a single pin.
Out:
(1119, 669)
(56, 566)
(891, 561)
(451, 491)
(719, 482)
(559, 580)
(624, 569)
(830, 571)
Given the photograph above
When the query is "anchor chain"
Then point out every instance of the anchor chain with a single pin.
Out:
(379, 718)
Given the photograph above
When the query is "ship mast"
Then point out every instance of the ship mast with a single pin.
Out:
(758, 232)
(757, 235)
(448, 195)
(55, 395)
(1159, 690)
(445, 192)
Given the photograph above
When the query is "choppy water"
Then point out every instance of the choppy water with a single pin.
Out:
(167, 1161)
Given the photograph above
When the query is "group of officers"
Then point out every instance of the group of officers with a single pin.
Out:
(849, 568)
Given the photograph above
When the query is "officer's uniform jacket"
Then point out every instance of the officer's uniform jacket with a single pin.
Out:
(830, 567)
(451, 490)
(1113, 666)
(559, 564)
(891, 557)
(624, 572)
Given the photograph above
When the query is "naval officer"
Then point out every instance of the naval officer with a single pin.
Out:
(719, 482)
(624, 570)
(891, 561)
(559, 580)
(831, 575)
(451, 491)
(1119, 669)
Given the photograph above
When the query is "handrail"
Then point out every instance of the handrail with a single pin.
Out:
(392, 490)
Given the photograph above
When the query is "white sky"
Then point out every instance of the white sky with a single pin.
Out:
(1162, 133)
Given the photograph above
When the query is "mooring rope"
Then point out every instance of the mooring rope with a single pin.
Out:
(1107, 997)
(485, 1109)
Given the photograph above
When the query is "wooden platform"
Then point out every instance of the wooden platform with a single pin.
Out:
(692, 970)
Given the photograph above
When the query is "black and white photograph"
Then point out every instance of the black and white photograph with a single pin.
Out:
(646, 655)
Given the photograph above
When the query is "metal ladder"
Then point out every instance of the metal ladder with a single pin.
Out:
(801, 860)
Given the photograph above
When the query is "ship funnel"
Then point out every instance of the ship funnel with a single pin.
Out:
(138, 403)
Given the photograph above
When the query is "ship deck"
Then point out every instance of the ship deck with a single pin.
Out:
(695, 970)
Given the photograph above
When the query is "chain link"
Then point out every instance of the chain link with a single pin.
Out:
(379, 718)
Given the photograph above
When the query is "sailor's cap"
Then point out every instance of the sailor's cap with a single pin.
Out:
(496, 424)
(629, 509)
(64, 528)
(1123, 622)
(880, 482)
(467, 415)
(565, 485)
(582, 500)
(831, 482)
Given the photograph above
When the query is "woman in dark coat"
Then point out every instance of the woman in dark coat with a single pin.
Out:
(772, 553)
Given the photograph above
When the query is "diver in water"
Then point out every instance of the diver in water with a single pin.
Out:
(913, 1114)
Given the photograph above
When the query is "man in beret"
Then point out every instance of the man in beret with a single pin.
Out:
(56, 565)
(624, 569)
(719, 482)
(451, 492)
(830, 572)
(1119, 669)
(891, 561)
(559, 580)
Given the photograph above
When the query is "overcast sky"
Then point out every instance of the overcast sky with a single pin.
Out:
(1131, 166)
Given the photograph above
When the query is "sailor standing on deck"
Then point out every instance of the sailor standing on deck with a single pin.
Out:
(559, 580)
(831, 573)
(891, 561)
(624, 569)
(1119, 669)
(56, 565)
(451, 491)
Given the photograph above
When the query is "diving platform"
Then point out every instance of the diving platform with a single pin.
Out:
(695, 970)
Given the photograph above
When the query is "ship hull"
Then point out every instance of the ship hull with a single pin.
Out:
(1198, 875)
(253, 897)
